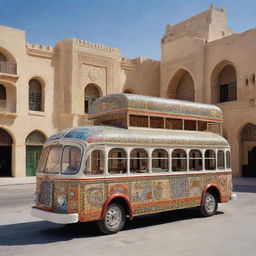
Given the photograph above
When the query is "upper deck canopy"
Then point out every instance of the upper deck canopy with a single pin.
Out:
(145, 105)
(143, 137)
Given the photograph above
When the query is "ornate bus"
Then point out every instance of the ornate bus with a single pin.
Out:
(107, 173)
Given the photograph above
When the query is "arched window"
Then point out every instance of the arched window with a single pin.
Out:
(160, 160)
(227, 84)
(182, 86)
(35, 95)
(179, 160)
(117, 161)
(220, 160)
(228, 160)
(139, 161)
(210, 160)
(91, 93)
(2, 97)
(195, 160)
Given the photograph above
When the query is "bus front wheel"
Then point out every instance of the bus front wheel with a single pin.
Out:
(210, 205)
(113, 221)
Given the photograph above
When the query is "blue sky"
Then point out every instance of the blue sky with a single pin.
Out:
(134, 26)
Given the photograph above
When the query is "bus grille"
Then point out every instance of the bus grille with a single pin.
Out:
(46, 193)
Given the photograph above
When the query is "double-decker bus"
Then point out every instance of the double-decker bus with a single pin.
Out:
(144, 155)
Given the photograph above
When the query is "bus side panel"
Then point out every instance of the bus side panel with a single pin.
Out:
(150, 194)
(92, 198)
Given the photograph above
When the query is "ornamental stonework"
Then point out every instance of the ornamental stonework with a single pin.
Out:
(94, 74)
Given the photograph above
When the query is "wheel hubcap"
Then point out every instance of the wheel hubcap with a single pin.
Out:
(113, 217)
(210, 203)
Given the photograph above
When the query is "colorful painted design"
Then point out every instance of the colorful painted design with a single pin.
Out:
(223, 181)
(180, 187)
(119, 189)
(141, 191)
(195, 186)
(147, 194)
(101, 134)
(109, 104)
(158, 191)
(95, 195)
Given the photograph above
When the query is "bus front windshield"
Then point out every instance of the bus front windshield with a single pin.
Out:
(56, 159)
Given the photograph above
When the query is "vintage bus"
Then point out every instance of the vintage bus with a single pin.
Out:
(107, 173)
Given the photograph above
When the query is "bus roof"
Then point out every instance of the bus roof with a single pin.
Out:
(113, 104)
(143, 137)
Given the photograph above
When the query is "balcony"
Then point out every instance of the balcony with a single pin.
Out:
(7, 110)
(8, 67)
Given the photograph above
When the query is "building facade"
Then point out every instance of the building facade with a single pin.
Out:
(45, 89)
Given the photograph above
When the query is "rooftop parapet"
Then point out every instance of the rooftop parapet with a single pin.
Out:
(39, 50)
(98, 47)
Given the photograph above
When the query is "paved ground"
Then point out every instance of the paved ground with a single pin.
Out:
(231, 232)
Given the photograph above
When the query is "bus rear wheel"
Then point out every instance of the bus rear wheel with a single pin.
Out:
(113, 221)
(210, 205)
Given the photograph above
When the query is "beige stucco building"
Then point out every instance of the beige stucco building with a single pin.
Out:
(45, 89)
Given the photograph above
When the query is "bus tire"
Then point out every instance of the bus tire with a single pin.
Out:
(210, 205)
(113, 220)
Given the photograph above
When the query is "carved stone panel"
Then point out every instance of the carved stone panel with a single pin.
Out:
(94, 74)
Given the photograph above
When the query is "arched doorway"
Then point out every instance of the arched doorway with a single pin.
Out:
(5, 153)
(182, 86)
(34, 145)
(91, 93)
(248, 150)
(224, 83)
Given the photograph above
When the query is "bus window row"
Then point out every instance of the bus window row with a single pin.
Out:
(159, 161)
(173, 123)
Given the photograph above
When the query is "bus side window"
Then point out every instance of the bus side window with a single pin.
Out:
(95, 163)
(117, 161)
(160, 160)
(179, 160)
(195, 160)
(210, 160)
(220, 160)
(228, 160)
(71, 160)
(139, 161)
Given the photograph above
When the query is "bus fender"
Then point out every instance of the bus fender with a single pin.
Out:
(116, 196)
(211, 187)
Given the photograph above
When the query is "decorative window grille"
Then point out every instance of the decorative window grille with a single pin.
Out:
(35, 95)
(35, 138)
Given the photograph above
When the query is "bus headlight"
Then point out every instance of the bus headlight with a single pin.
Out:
(61, 200)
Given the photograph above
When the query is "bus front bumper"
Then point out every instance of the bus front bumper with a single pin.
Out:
(60, 218)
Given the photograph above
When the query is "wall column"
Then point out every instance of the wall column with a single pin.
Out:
(18, 160)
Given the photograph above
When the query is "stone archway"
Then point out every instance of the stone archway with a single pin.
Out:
(34, 146)
(5, 153)
(248, 150)
(91, 93)
(223, 82)
(182, 86)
